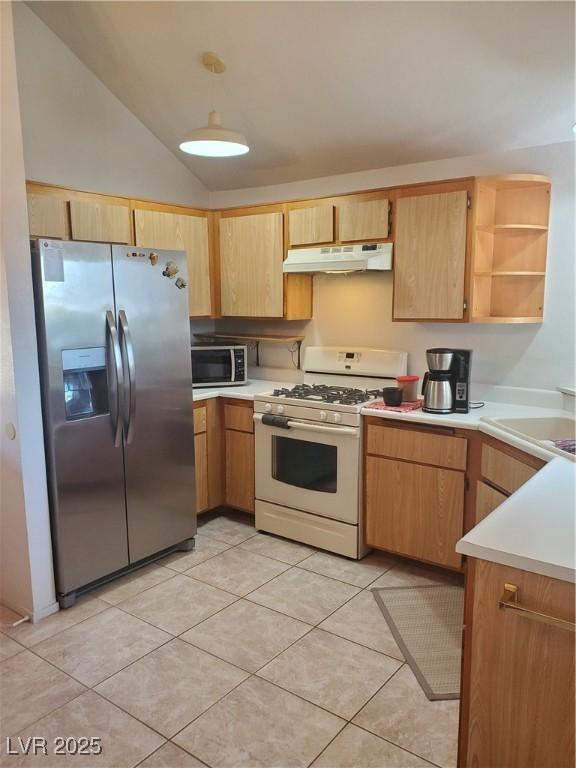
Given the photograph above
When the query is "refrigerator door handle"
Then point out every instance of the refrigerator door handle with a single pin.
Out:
(127, 346)
(116, 393)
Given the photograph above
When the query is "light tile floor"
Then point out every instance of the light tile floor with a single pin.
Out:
(250, 652)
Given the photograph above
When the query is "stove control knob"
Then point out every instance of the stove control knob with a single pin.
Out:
(279, 409)
(323, 415)
(337, 418)
(268, 407)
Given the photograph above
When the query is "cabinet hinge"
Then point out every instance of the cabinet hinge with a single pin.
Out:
(465, 305)
(466, 484)
(468, 202)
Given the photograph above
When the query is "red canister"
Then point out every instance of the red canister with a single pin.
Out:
(409, 387)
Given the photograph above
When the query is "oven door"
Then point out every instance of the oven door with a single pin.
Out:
(212, 366)
(311, 467)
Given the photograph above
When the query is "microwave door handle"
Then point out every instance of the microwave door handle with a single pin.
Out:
(128, 347)
(115, 392)
(233, 369)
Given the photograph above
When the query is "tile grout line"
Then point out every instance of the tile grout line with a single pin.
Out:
(398, 746)
(247, 672)
(162, 747)
(364, 728)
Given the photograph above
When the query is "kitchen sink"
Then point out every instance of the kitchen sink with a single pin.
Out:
(546, 431)
(539, 428)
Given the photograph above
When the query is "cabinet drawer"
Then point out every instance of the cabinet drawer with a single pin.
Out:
(503, 470)
(200, 419)
(414, 510)
(487, 499)
(239, 417)
(422, 447)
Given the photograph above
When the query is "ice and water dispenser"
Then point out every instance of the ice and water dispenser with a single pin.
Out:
(85, 382)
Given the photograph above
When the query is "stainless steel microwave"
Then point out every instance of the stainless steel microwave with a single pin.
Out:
(218, 365)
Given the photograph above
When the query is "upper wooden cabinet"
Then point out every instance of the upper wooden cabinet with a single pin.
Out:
(311, 225)
(430, 256)
(47, 216)
(159, 229)
(251, 256)
(452, 263)
(363, 220)
(101, 222)
(510, 239)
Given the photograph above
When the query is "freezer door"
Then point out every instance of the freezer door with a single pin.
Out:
(81, 391)
(154, 326)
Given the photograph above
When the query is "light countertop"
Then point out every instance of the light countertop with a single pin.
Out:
(534, 529)
(477, 419)
(240, 392)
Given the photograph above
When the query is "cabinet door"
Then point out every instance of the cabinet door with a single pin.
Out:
(487, 499)
(201, 469)
(503, 470)
(430, 256)
(364, 220)
(47, 216)
(519, 702)
(100, 222)
(158, 229)
(240, 470)
(307, 226)
(414, 510)
(251, 255)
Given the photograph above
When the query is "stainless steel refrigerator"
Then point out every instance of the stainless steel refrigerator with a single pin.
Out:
(114, 350)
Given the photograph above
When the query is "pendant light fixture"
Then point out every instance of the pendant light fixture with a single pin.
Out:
(213, 140)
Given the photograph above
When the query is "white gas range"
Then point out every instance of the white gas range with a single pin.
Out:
(308, 447)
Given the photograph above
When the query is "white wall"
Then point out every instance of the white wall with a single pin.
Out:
(357, 309)
(78, 134)
(26, 577)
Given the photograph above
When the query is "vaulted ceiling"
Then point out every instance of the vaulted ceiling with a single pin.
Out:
(321, 88)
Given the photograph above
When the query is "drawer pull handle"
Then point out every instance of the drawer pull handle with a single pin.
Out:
(509, 601)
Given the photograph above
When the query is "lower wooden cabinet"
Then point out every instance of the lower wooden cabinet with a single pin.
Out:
(201, 469)
(239, 454)
(517, 707)
(414, 510)
(201, 456)
(239, 470)
(224, 451)
(505, 471)
(487, 499)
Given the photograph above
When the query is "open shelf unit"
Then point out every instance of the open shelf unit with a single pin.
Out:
(509, 248)
(253, 339)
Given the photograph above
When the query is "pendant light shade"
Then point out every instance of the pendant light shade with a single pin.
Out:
(214, 140)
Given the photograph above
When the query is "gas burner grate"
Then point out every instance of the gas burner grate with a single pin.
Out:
(324, 393)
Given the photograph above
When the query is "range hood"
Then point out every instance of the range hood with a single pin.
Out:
(340, 258)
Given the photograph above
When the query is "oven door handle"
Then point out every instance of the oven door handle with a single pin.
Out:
(318, 428)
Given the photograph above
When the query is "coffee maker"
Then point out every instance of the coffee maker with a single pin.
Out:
(446, 384)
